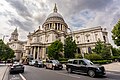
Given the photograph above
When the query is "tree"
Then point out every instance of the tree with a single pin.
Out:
(98, 47)
(55, 49)
(102, 49)
(5, 52)
(69, 48)
(115, 51)
(93, 56)
(116, 34)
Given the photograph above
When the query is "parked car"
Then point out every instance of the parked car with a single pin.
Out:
(39, 63)
(84, 66)
(16, 67)
(32, 62)
(53, 64)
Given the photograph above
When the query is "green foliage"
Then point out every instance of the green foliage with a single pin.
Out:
(93, 56)
(103, 50)
(106, 54)
(116, 34)
(78, 55)
(5, 51)
(55, 49)
(63, 59)
(63, 62)
(115, 52)
(98, 47)
(102, 61)
(69, 48)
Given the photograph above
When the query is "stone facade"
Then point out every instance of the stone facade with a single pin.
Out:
(16, 45)
(55, 28)
(86, 38)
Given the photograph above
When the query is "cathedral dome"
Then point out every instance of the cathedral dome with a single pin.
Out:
(54, 16)
(55, 21)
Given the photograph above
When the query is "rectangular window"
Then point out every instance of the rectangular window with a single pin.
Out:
(75, 62)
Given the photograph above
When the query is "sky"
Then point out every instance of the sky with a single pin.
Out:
(28, 15)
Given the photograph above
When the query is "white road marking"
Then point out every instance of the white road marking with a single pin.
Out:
(22, 76)
(14, 78)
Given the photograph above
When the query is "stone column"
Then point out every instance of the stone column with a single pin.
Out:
(60, 26)
(34, 52)
(63, 27)
(38, 53)
(27, 52)
(31, 51)
(49, 25)
(43, 53)
(54, 26)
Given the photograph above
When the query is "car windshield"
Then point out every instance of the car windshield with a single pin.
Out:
(17, 64)
(39, 61)
(89, 62)
(55, 61)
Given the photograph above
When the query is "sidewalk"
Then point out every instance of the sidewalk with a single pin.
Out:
(112, 67)
(3, 69)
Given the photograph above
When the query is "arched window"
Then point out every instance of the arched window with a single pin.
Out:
(89, 50)
(46, 50)
(104, 38)
(78, 50)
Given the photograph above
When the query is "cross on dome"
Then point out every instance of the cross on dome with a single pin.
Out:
(55, 8)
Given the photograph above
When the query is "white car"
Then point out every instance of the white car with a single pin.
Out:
(32, 62)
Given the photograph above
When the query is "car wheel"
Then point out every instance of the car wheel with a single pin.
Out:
(46, 67)
(10, 72)
(22, 71)
(42, 66)
(69, 70)
(53, 68)
(91, 73)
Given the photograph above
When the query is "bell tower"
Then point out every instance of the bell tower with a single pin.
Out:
(14, 35)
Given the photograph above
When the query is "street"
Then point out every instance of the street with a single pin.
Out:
(34, 73)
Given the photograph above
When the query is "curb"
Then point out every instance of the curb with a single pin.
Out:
(5, 77)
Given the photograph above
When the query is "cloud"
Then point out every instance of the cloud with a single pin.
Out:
(29, 14)
(25, 25)
(73, 7)
(20, 7)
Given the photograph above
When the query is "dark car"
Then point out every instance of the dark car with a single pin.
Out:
(39, 63)
(53, 64)
(16, 67)
(84, 66)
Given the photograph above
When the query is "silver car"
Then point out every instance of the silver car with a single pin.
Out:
(53, 64)
(32, 62)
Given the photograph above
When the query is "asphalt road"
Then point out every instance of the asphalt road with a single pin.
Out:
(34, 73)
